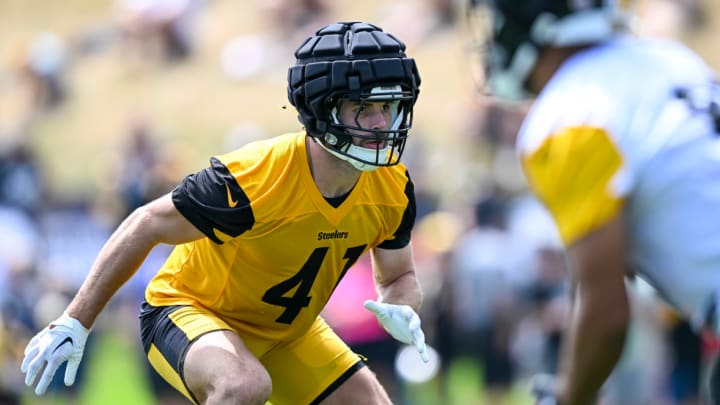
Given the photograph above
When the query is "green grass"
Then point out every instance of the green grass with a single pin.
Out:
(122, 375)
(464, 387)
(115, 375)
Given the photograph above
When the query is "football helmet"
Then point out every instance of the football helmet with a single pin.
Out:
(518, 29)
(358, 62)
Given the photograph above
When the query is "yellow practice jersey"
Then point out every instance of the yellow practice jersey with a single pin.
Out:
(275, 248)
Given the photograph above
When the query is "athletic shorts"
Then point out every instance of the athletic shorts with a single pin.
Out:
(303, 371)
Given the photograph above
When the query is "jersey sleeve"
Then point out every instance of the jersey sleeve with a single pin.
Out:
(573, 173)
(402, 234)
(214, 202)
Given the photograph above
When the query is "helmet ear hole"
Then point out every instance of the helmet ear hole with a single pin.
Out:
(352, 60)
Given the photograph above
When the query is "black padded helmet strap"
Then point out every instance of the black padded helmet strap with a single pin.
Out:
(353, 87)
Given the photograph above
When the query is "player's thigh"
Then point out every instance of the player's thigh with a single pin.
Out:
(191, 348)
(311, 368)
(362, 388)
(219, 365)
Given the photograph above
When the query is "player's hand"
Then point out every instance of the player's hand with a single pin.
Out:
(544, 388)
(402, 323)
(62, 340)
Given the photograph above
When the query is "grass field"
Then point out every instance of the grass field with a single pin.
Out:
(116, 376)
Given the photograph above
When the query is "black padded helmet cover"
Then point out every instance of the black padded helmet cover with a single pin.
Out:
(345, 60)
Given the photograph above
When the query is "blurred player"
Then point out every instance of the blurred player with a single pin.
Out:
(263, 237)
(622, 144)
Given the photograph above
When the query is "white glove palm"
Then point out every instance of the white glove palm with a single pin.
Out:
(402, 323)
(62, 340)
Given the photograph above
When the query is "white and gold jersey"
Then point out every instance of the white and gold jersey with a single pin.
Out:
(625, 129)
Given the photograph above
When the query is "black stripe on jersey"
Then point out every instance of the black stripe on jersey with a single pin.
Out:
(212, 199)
(402, 234)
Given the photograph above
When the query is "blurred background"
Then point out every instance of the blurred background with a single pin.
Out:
(105, 105)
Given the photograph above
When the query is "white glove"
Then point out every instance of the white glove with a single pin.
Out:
(62, 340)
(402, 323)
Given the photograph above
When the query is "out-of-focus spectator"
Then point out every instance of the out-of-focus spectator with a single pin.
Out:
(145, 171)
(21, 183)
(419, 20)
(288, 23)
(482, 299)
(44, 68)
(495, 123)
(291, 21)
(9, 353)
(536, 343)
(138, 160)
(161, 30)
(540, 279)
(20, 242)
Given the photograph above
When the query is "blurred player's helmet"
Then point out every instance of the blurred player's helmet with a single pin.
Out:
(520, 28)
(359, 62)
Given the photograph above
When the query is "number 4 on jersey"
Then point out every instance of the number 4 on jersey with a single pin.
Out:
(304, 280)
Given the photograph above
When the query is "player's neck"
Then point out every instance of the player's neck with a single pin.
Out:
(333, 177)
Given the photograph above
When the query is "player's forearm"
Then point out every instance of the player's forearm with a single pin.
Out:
(594, 344)
(117, 261)
(404, 290)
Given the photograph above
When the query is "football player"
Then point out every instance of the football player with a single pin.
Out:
(621, 144)
(265, 234)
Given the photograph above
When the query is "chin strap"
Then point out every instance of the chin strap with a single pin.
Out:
(354, 150)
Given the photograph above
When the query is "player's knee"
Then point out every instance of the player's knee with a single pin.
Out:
(250, 389)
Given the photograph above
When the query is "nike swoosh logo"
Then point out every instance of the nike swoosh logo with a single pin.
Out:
(66, 340)
(232, 203)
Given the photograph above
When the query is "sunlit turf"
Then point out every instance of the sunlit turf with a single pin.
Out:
(464, 387)
(115, 375)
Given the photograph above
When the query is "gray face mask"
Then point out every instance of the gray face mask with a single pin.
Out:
(368, 159)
